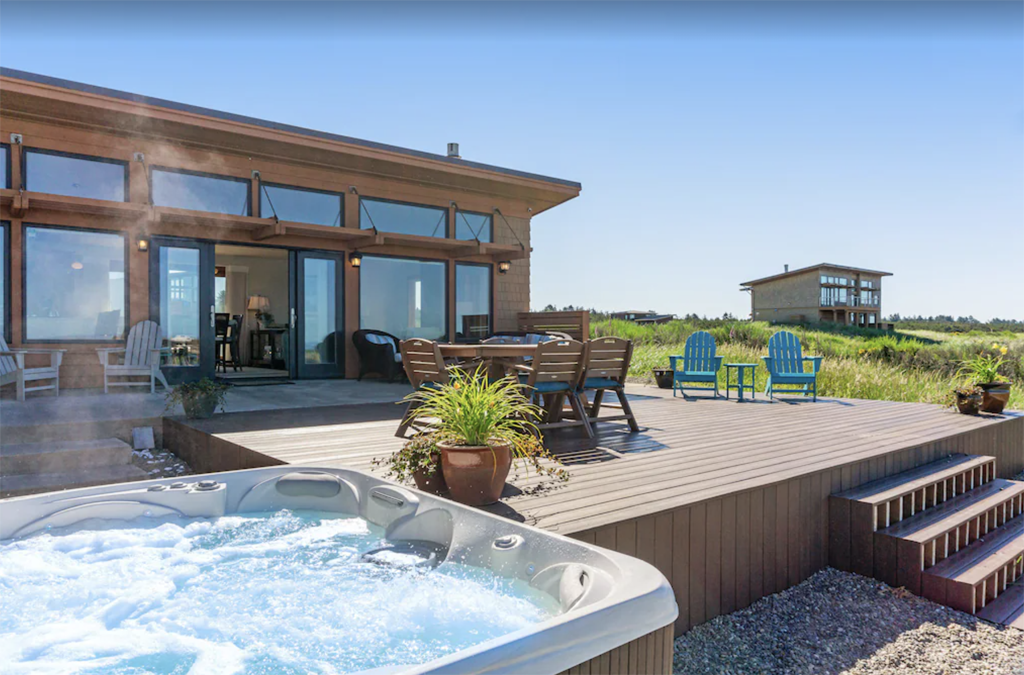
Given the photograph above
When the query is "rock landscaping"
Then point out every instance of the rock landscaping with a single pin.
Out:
(836, 623)
(160, 464)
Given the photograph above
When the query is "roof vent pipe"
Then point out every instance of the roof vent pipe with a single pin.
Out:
(786, 267)
(453, 150)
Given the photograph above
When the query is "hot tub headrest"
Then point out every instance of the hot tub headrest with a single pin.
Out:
(302, 490)
(309, 484)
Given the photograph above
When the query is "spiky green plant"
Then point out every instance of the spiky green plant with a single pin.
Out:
(983, 368)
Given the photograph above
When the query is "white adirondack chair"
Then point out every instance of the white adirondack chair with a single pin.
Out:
(13, 370)
(141, 353)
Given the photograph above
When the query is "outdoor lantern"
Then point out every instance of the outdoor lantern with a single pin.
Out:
(356, 258)
(143, 245)
(504, 266)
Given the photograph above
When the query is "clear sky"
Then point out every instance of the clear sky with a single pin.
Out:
(715, 143)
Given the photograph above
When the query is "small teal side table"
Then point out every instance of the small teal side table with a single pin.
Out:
(741, 381)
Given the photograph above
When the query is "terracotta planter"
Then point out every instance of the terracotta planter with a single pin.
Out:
(431, 481)
(663, 376)
(475, 474)
(968, 405)
(995, 396)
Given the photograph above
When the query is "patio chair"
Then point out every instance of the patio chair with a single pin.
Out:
(555, 374)
(13, 370)
(698, 364)
(141, 358)
(605, 368)
(379, 353)
(425, 367)
(785, 363)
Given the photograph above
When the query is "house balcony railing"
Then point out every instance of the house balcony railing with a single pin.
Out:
(851, 302)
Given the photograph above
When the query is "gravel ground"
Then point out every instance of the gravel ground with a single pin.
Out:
(837, 622)
(160, 463)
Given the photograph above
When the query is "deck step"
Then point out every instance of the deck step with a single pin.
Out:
(905, 550)
(974, 577)
(63, 456)
(856, 514)
(1008, 608)
(26, 484)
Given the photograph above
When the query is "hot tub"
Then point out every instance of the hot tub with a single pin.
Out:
(311, 570)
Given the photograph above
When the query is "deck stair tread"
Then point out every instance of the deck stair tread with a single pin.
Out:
(1007, 609)
(63, 456)
(24, 484)
(936, 521)
(891, 488)
(983, 557)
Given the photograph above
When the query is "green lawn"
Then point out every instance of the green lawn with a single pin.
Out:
(858, 363)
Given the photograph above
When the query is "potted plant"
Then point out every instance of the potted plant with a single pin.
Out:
(983, 371)
(200, 400)
(418, 459)
(967, 399)
(663, 376)
(481, 426)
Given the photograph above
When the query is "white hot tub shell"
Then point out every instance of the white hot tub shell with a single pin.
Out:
(607, 599)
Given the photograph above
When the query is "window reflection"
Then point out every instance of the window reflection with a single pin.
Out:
(5, 160)
(300, 206)
(74, 285)
(403, 297)
(473, 226)
(472, 301)
(200, 193)
(180, 311)
(426, 221)
(319, 311)
(75, 176)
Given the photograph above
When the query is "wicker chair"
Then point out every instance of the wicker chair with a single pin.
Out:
(379, 353)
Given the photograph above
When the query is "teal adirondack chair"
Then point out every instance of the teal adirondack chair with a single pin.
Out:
(785, 363)
(697, 364)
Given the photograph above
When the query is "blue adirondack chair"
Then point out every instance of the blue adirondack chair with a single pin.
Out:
(785, 363)
(697, 364)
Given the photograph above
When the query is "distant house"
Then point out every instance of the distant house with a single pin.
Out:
(825, 292)
(641, 316)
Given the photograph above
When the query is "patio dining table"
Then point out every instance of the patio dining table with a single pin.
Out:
(495, 356)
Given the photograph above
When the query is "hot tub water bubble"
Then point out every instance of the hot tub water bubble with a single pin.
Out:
(277, 592)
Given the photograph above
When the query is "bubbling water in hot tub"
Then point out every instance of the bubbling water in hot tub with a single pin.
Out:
(283, 592)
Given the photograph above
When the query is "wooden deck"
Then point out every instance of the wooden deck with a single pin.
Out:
(728, 499)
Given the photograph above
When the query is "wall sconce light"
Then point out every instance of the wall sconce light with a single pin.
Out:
(143, 245)
(504, 266)
(356, 258)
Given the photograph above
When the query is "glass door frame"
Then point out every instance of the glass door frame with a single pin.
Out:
(207, 347)
(297, 316)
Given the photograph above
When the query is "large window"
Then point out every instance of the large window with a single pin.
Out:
(472, 301)
(473, 226)
(74, 284)
(5, 286)
(76, 175)
(5, 166)
(404, 297)
(200, 192)
(300, 205)
(427, 221)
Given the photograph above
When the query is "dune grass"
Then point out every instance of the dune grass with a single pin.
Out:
(857, 363)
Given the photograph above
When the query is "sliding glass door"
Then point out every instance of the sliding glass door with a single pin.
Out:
(182, 301)
(318, 316)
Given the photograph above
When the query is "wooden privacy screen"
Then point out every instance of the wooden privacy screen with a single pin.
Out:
(574, 324)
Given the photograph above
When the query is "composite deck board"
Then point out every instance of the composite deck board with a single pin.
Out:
(729, 500)
(700, 449)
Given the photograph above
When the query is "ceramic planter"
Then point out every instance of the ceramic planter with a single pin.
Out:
(663, 376)
(994, 396)
(431, 481)
(200, 407)
(968, 404)
(475, 474)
